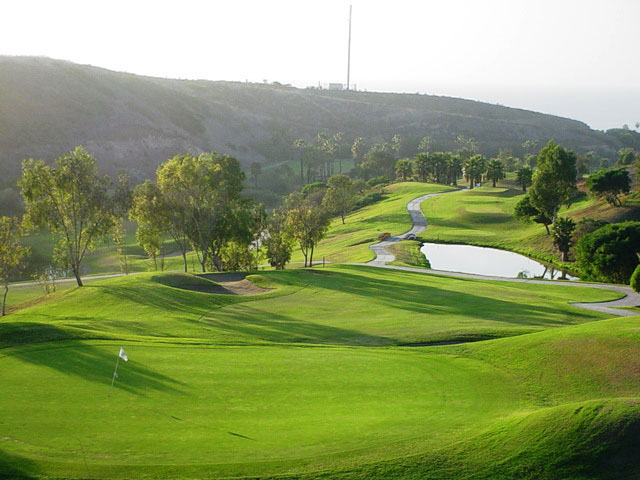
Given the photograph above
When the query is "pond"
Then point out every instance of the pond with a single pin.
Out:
(486, 261)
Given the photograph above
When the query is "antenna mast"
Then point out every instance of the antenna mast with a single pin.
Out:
(349, 50)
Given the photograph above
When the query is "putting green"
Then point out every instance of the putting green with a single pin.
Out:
(204, 405)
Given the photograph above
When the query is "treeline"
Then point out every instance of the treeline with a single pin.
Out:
(603, 251)
(195, 201)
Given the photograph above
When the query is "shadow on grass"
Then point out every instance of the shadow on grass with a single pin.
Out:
(251, 322)
(96, 365)
(16, 468)
(394, 289)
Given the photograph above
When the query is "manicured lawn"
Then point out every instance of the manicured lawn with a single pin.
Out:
(377, 307)
(230, 410)
(484, 216)
(307, 377)
(350, 242)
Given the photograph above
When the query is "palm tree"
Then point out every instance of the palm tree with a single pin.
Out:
(403, 168)
(495, 170)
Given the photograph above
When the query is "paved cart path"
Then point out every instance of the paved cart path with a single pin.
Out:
(384, 256)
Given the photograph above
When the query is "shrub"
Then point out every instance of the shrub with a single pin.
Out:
(609, 253)
(635, 279)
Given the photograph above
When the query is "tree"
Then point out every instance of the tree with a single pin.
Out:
(255, 170)
(12, 252)
(467, 146)
(454, 169)
(626, 156)
(525, 211)
(474, 168)
(159, 211)
(205, 192)
(439, 165)
(586, 226)
(524, 176)
(609, 184)
(609, 253)
(302, 148)
(495, 171)
(582, 166)
(554, 182)
(279, 240)
(70, 199)
(243, 251)
(425, 144)
(396, 144)
(307, 223)
(378, 162)
(150, 239)
(119, 238)
(403, 169)
(340, 196)
(530, 147)
(358, 150)
(563, 228)
(422, 166)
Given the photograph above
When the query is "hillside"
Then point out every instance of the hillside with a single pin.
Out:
(134, 123)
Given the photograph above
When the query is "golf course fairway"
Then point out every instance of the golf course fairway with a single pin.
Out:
(331, 373)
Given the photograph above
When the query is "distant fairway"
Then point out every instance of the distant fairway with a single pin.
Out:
(307, 378)
(484, 216)
(350, 242)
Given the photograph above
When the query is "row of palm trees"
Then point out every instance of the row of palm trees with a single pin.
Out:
(447, 168)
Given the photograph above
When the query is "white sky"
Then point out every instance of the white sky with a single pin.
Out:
(571, 58)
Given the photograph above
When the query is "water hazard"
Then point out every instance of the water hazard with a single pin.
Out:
(487, 261)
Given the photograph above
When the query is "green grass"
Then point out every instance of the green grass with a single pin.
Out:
(408, 254)
(350, 242)
(308, 379)
(484, 216)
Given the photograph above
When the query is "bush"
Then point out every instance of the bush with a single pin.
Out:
(609, 253)
(381, 180)
(635, 279)
(610, 184)
(368, 199)
(586, 226)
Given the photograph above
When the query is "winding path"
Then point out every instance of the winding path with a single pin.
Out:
(384, 256)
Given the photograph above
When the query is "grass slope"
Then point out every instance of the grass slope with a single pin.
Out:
(307, 380)
(350, 242)
(484, 216)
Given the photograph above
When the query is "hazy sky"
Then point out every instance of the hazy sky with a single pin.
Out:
(571, 58)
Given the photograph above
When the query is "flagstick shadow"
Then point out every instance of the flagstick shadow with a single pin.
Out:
(97, 365)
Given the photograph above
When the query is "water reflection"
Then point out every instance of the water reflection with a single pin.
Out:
(487, 261)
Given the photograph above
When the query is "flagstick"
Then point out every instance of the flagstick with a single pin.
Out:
(114, 372)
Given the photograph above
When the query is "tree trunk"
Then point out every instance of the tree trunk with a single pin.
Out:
(524, 188)
(4, 297)
(184, 260)
(76, 273)
(494, 183)
(565, 255)
(342, 216)
(311, 258)
(547, 227)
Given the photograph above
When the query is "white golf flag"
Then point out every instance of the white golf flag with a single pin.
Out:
(123, 355)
